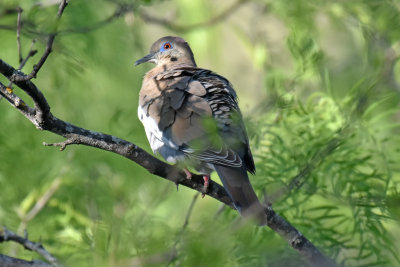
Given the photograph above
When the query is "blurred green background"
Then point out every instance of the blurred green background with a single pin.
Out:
(318, 84)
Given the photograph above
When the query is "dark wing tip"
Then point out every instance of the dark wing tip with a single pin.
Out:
(249, 162)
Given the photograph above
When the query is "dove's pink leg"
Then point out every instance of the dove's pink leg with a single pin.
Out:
(206, 184)
(188, 174)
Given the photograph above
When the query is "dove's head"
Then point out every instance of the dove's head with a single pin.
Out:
(169, 50)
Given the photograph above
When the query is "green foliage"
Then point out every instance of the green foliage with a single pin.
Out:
(318, 86)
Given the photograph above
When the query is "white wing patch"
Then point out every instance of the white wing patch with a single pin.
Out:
(154, 135)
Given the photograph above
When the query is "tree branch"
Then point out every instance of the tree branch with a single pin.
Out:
(7, 235)
(77, 135)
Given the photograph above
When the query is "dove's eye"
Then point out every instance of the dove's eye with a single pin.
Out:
(166, 46)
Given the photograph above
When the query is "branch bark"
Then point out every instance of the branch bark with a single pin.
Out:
(43, 119)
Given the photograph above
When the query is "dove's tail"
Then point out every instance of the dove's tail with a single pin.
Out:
(237, 184)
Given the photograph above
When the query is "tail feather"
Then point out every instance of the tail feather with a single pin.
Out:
(237, 184)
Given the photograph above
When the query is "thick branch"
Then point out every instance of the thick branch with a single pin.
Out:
(77, 135)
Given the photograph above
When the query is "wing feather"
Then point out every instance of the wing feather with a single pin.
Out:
(190, 98)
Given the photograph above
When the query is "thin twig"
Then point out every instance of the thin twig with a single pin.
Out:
(64, 144)
(7, 235)
(48, 49)
(42, 201)
(169, 256)
(121, 10)
(188, 214)
(30, 54)
(170, 24)
(26, 217)
(184, 226)
(19, 35)
(219, 211)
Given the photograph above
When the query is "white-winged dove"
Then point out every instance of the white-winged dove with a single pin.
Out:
(191, 115)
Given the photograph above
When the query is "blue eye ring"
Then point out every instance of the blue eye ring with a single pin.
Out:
(166, 46)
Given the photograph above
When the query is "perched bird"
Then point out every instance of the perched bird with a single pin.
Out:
(191, 116)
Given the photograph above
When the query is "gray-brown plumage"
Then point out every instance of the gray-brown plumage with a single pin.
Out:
(191, 115)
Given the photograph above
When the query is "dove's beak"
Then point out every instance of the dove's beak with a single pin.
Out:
(149, 58)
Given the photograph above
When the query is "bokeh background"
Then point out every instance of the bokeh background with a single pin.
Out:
(318, 84)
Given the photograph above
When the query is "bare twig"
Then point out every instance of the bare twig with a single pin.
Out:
(188, 214)
(27, 216)
(42, 201)
(47, 50)
(219, 211)
(170, 24)
(184, 226)
(19, 35)
(30, 54)
(7, 235)
(121, 10)
(165, 257)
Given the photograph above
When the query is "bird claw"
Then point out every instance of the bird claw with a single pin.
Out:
(188, 174)
(206, 179)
